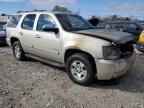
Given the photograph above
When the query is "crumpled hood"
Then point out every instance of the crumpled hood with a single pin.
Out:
(117, 37)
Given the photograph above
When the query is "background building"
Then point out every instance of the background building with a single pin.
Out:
(3, 19)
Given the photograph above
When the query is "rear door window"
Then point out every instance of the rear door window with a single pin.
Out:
(28, 22)
(14, 20)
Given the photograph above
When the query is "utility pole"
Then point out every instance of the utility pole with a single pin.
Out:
(78, 12)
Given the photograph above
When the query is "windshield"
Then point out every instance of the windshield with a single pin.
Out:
(73, 22)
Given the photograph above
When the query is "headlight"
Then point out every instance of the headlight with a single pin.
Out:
(111, 52)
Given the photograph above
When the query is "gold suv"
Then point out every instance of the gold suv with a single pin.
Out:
(69, 41)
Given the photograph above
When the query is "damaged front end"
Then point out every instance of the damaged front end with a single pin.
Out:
(118, 50)
(118, 61)
(126, 49)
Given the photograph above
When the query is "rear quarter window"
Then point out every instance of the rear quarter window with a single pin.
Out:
(14, 20)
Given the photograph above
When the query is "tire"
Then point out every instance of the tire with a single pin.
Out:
(80, 69)
(18, 51)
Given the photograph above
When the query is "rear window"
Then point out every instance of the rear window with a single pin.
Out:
(14, 20)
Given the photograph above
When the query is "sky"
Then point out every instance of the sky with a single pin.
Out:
(87, 8)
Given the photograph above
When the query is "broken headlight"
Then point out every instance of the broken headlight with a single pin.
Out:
(111, 52)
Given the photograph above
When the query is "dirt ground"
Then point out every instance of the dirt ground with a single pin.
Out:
(32, 84)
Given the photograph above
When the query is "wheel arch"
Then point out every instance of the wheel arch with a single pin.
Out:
(70, 52)
(13, 39)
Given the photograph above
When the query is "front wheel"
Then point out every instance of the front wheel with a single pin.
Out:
(18, 51)
(80, 69)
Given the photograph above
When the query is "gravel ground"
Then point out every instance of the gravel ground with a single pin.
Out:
(31, 84)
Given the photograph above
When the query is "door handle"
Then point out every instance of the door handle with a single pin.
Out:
(37, 36)
(20, 33)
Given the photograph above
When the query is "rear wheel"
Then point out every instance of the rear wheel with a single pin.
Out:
(80, 69)
(18, 51)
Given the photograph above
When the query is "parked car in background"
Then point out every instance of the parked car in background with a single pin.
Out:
(124, 26)
(141, 22)
(101, 25)
(68, 40)
(140, 43)
(2, 33)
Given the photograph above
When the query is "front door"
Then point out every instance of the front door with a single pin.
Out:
(47, 43)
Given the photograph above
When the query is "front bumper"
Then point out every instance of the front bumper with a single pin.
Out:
(2, 39)
(110, 69)
(140, 46)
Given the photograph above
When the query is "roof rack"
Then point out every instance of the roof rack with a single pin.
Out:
(41, 11)
(32, 11)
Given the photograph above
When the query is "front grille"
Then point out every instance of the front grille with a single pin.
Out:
(126, 49)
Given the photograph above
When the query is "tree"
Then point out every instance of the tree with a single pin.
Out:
(61, 9)
(94, 21)
(127, 19)
(114, 18)
(3, 14)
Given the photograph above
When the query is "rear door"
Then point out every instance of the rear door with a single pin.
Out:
(26, 32)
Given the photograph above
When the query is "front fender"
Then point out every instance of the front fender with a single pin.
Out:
(87, 44)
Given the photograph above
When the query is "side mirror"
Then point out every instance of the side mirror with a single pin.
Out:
(50, 28)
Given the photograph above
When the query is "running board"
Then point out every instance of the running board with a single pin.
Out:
(45, 60)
